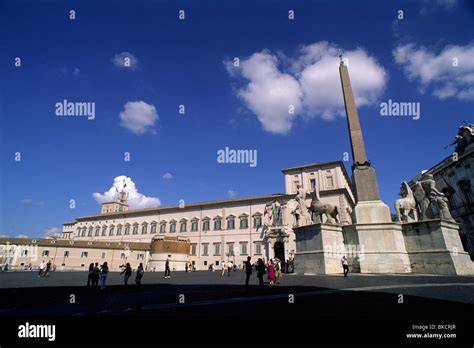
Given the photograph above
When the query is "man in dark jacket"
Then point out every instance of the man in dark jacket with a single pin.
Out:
(248, 271)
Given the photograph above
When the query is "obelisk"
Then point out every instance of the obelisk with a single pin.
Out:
(369, 208)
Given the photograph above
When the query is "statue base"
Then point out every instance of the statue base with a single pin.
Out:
(434, 247)
(320, 248)
(367, 212)
(381, 248)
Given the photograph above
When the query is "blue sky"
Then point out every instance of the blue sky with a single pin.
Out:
(187, 62)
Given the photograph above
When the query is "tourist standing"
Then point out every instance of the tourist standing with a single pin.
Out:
(278, 274)
(42, 266)
(186, 267)
(104, 270)
(140, 272)
(345, 265)
(270, 272)
(260, 271)
(96, 275)
(167, 267)
(90, 275)
(127, 272)
(248, 271)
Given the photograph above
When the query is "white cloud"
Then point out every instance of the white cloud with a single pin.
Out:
(167, 176)
(76, 71)
(321, 83)
(139, 117)
(125, 60)
(21, 236)
(232, 193)
(136, 200)
(310, 84)
(447, 3)
(429, 6)
(52, 232)
(439, 71)
(270, 93)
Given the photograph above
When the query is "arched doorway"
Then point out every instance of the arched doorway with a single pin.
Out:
(279, 250)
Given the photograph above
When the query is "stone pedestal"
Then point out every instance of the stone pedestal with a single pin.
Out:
(319, 249)
(381, 245)
(366, 212)
(434, 246)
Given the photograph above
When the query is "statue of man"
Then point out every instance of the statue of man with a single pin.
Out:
(437, 199)
(422, 201)
(303, 209)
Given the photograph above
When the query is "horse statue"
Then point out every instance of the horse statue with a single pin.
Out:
(318, 209)
(406, 205)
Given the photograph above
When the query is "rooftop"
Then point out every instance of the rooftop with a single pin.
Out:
(318, 164)
(192, 205)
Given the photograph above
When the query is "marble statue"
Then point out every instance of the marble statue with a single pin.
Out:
(292, 206)
(406, 205)
(431, 203)
(299, 209)
(464, 138)
(277, 213)
(318, 209)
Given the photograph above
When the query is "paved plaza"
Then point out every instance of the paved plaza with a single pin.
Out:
(25, 293)
(374, 308)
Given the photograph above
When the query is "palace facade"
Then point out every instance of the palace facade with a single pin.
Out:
(217, 231)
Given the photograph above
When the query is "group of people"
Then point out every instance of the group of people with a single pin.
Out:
(228, 267)
(127, 273)
(272, 269)
(44, 269)
(97, 273)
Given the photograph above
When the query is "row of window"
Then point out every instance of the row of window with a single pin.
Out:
(84, 254)
(312, 182)
(230, 250)
(183, 225)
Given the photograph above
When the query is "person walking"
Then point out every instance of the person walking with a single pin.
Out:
(345, 265)
(260, 272)
(230, 265)
(90, 275)
(104, 271)
(42, 266)
(224, 267)
(140, 272)
(127, 272)
(248, 271)
(167, 267)
(48, 269)
(96, 275)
